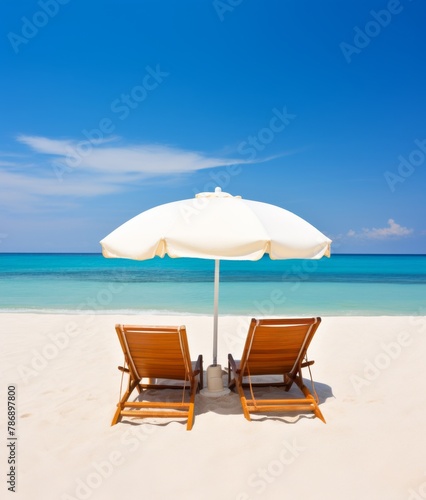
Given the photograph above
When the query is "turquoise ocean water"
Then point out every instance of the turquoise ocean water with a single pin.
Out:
(341, 285)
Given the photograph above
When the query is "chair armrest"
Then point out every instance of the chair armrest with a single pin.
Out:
(198, 365)
(121, 368)
(198, 369)
(307, 363)
(232, 367)
(232, 364)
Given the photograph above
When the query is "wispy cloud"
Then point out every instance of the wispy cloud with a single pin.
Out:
(393, 230)
(56, 168)
(146, 159)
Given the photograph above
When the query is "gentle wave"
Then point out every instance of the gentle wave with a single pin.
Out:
(342, 285)
(192, 277)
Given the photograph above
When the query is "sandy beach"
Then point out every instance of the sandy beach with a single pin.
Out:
(368, 374)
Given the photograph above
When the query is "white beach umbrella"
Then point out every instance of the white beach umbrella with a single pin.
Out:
(216, 226)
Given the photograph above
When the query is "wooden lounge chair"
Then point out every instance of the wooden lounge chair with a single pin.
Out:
(158, 352)
(275, 347)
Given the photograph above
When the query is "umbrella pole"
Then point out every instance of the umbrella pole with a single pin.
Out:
(216, 309)
(214, 372)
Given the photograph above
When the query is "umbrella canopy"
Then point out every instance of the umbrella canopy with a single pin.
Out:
(216, 226)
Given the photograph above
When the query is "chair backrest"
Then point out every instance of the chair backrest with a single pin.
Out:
(277, 346)
(156, 351)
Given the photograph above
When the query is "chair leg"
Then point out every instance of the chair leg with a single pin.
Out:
(245, 409)
(117, 415)
(318, 413)
(120, 404)
(308, 395)
(243, 399)
(190, 421)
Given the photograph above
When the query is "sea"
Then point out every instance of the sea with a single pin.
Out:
(342, 285)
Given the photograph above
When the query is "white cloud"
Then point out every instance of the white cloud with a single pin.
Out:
(146, 160)
(393, 230)
(61, 168)
(45, 145)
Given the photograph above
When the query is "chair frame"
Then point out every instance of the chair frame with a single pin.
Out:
(180, 368)
(290, 369)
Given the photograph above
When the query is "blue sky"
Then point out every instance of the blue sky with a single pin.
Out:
(111, 107)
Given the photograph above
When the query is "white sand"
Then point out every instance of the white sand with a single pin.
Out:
(369, 375)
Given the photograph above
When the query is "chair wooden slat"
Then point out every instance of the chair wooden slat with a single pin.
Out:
(275, 347)
(158, 352)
